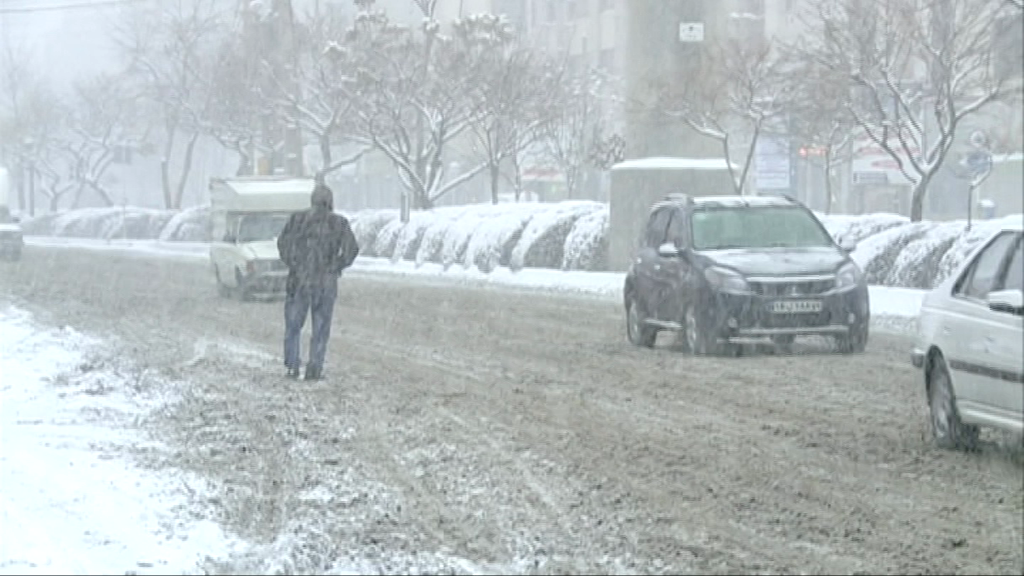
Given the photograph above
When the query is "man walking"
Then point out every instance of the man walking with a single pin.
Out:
(316, 245)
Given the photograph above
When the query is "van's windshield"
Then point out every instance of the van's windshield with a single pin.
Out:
(260, 227)
(757, 227)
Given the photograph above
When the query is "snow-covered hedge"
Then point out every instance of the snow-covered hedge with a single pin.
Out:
(566, 235)
(107, 223)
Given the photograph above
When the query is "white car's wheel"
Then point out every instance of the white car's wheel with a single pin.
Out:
(947, 428)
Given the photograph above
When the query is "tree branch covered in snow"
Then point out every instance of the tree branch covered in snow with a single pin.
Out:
(412, 95)
(571, 141)
(916, 69)
(741, 95)
(819, 118)
(513, 88)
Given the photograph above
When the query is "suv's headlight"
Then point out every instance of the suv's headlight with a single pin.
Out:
(848, 276)
(726, 280)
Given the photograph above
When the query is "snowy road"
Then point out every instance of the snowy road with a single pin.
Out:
(481, 431)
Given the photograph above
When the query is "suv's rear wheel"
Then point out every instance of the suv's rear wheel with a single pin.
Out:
(947, 428)
(638, 332)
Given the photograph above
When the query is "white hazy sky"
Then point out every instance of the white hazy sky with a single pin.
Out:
(75, 42)
(64, 44)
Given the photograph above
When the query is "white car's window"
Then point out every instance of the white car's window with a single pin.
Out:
(979, 279)
(1015, 271)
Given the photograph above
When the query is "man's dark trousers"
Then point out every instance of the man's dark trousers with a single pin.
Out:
(316, 299)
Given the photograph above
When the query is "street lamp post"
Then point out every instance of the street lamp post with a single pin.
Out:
(30, 153)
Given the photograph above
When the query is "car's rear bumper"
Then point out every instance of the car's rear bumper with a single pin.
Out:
(749, 317)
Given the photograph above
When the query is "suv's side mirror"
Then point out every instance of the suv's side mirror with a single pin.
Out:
(1010, 301)
(16, 219)
(668, 250)
(230, 239)
(848, 246)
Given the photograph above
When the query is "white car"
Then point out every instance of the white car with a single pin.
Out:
(970, 343)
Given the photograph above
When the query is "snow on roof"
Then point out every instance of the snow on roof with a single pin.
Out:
(1014, 222)
(1014, 157)
(745, 201)
(669, 163)
(264, 185)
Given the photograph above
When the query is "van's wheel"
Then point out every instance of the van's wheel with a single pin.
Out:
(947, 428)
(241, 290)
(637, 331)
(223, 290)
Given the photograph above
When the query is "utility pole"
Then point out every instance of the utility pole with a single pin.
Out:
(287, 70)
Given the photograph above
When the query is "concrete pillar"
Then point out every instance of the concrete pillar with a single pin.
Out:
(663, 156)
(655, 56)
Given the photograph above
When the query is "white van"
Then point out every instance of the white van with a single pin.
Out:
(247, 215)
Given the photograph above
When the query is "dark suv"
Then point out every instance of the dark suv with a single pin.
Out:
(729, 270)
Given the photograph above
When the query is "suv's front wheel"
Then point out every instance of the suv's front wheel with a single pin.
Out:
(855, 342)
(697, 339)
(638, 332)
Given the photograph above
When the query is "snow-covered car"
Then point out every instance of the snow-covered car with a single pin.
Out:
(11, 238)
(970, 343)
(728, 270)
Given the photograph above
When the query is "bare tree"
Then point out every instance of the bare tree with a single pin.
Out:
(169, 48)
(739, 96)
(237, 104)
(103, 125)
(820, 119)
(513, 89)
(569, 140)
(918, 68)
(322, 106)
(412, 98)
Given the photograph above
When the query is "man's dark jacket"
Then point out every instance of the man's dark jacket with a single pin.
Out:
(316, 244)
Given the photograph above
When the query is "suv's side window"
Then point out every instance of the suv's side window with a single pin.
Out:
(677, 230)
(1014, 279)
(980, 278)
(657, 225)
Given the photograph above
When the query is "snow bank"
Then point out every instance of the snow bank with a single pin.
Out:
(106, 223)
(189, 225)
(568, 236)
(73, 502)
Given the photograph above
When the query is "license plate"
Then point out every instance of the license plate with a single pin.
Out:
(796, 307)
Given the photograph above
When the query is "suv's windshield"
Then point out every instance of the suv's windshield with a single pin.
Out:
(257, 227)
(759, 227)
